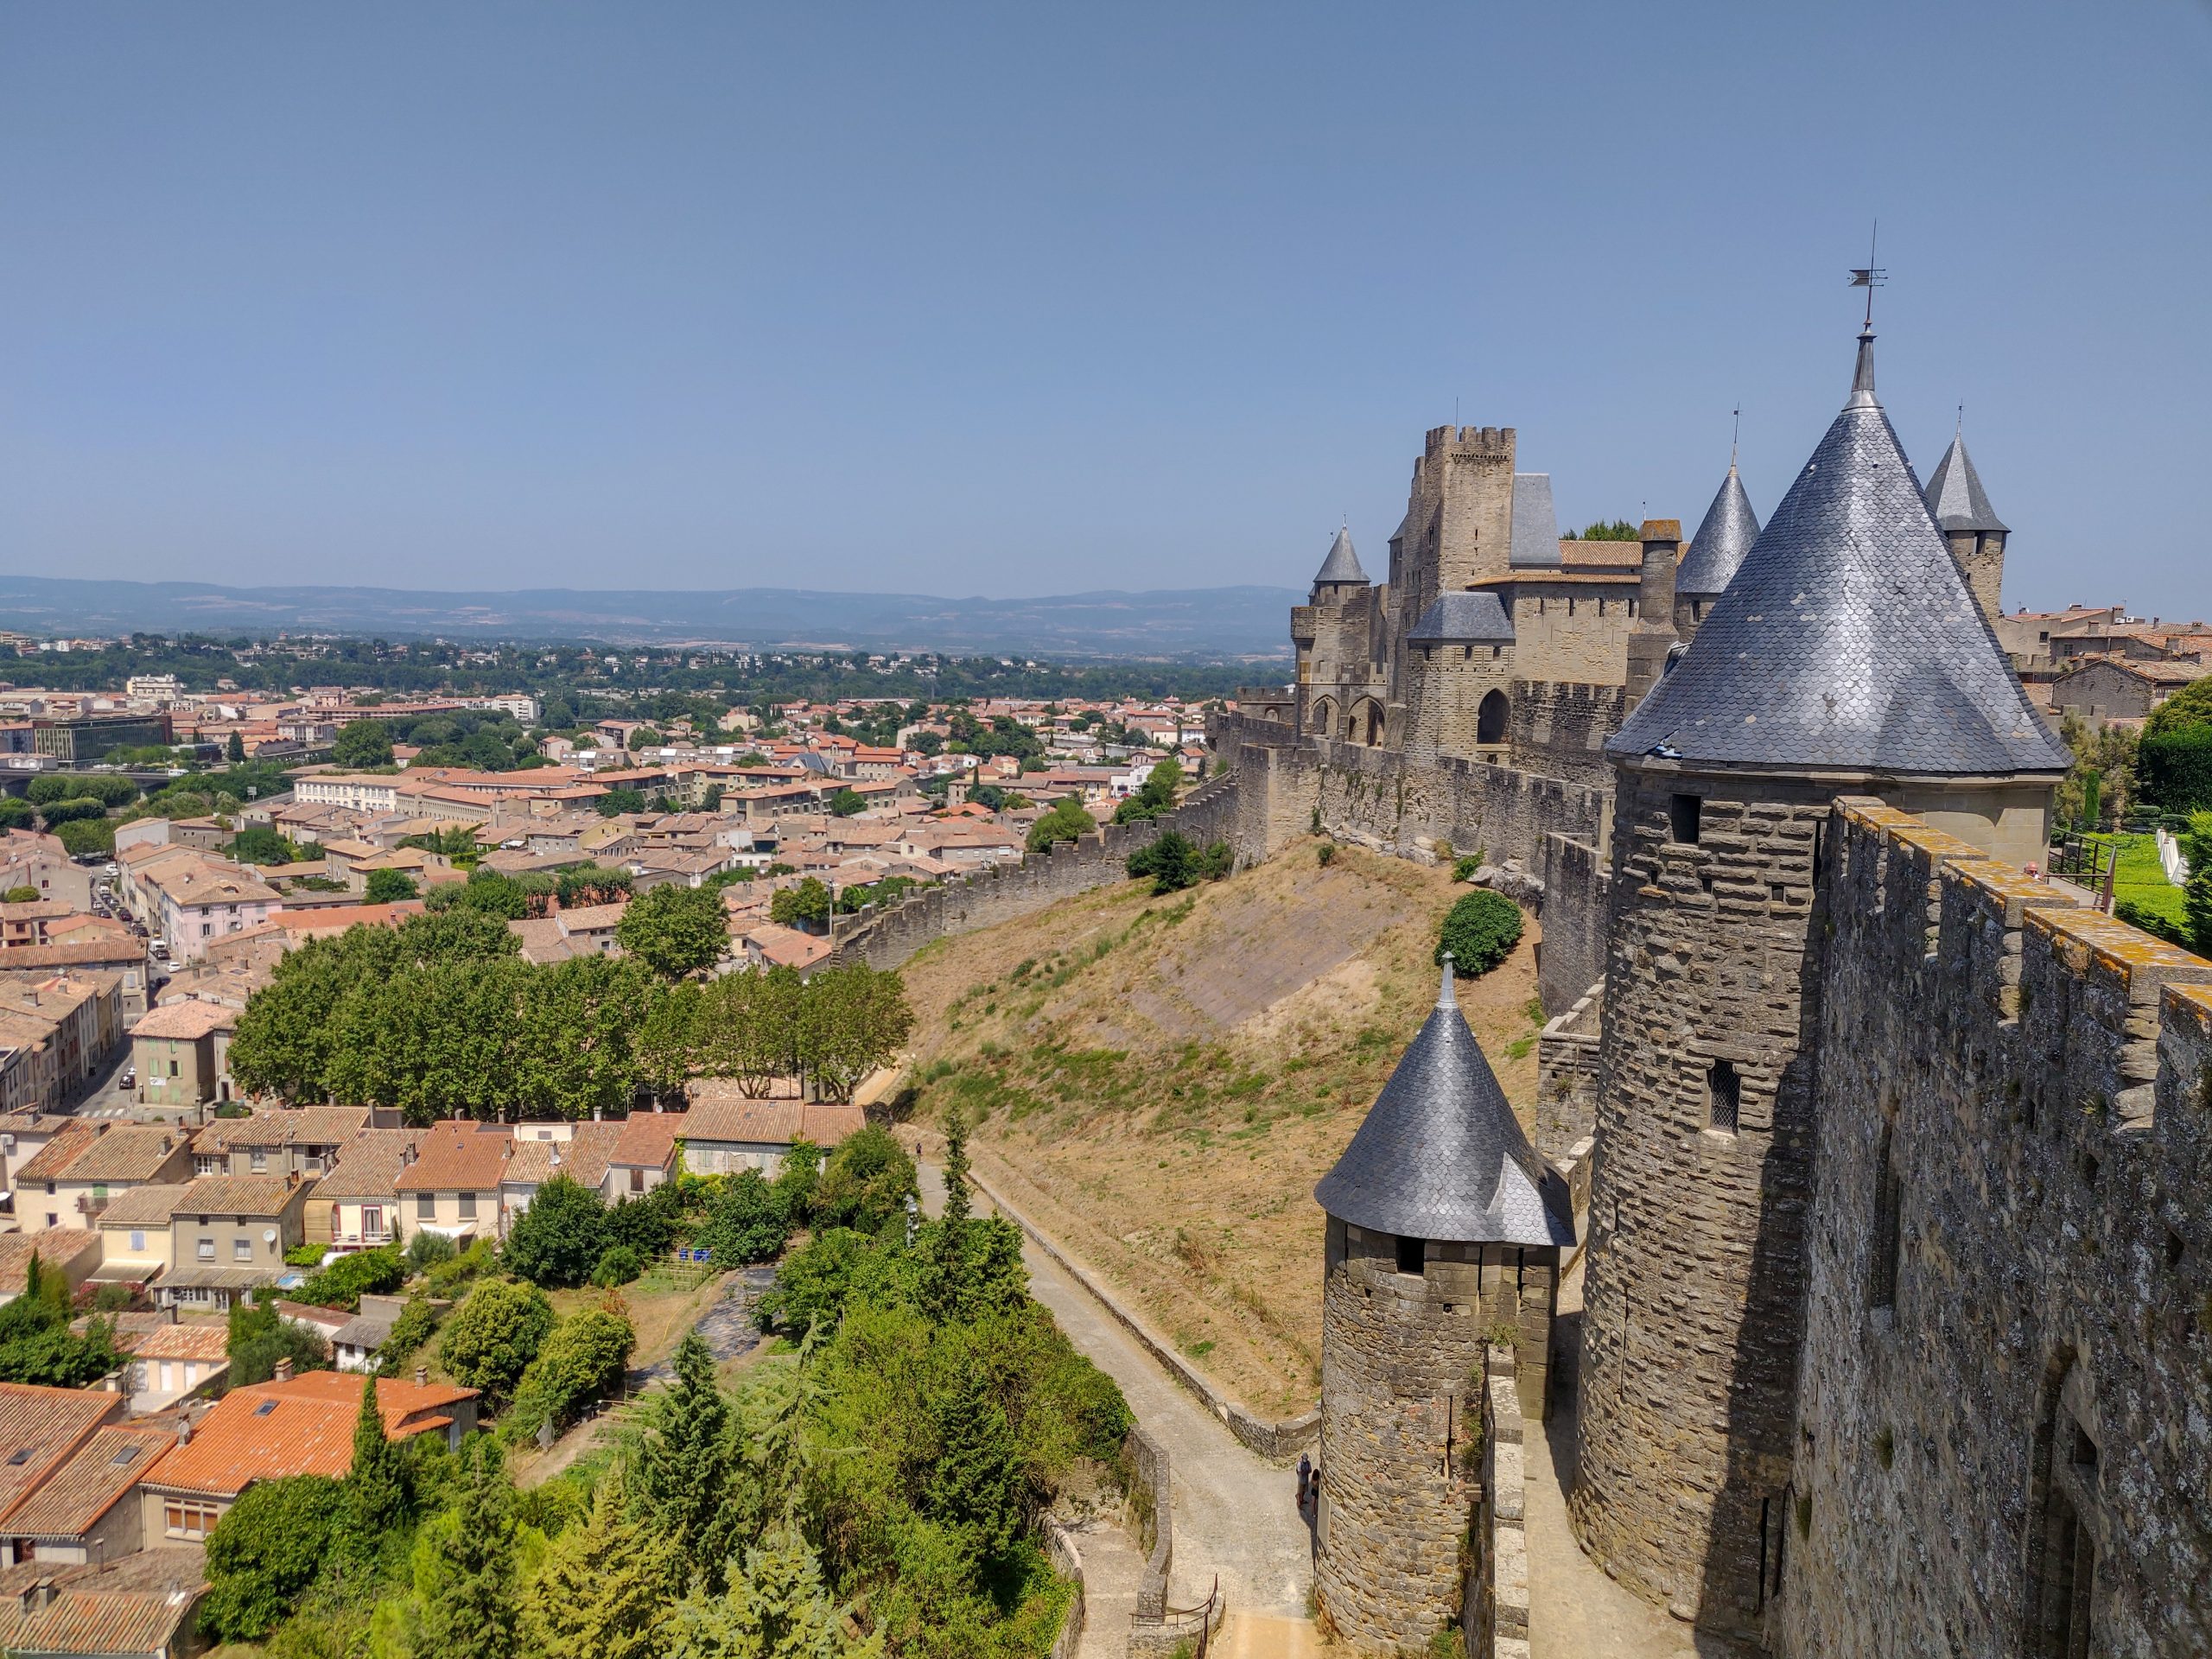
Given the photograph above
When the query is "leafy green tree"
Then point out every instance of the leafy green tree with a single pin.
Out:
(362, 743)
(470, 1611)
(57, 813)
(259, 844)
(674, 930)
(979, 1489)
(747, 1222)
(2196, 892)
(748, 1030)
(617, 801)
(777, 1607)
(796, 1179)
(87, 837)
(1154, 795)
(866, 1182)
(260, 1337)
(687, 1455)
(1170, 860)
(583, 1363)
(267, 1549)
(388, 887)
(804, 906)
(490, 1340)
(21, 895)
(847, 802)
(1617, 529)
(376, 1486)
(16, 813)
(36, 1344)
(1067, 821)
(668, 1039)
(1479, 931)
(601, 1591)
(417, 1324)
(557, 1241)
(234, 750)
(852, 1019)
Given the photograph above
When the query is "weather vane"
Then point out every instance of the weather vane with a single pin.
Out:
(1869, 276)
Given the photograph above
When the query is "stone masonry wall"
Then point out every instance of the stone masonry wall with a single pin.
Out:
(2008, 1352)
(1558, 728)
(1567, 1075)
(1695, 1268)
(1381, 798)
(884, 938)
(1577, 890)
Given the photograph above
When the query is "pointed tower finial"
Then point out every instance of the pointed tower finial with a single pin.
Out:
(1869, 277)
(1735, 435)
(1447, 997)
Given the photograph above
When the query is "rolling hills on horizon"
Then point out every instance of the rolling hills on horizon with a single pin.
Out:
(1199, 624)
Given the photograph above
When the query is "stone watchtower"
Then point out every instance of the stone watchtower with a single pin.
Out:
(1976, 536)
(1444, 1232)
(1847, 656)
(1337, 633)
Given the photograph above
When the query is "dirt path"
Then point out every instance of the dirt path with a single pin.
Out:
(1234, 1514)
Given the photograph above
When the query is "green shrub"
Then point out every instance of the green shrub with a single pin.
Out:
(559, 1239)
(306, 1255)
(1464, 870)
(267, 1549)
(417, 1324)
(1171, 862)
(448, 1276)
(491, 1338)
(2176, 766)
(345, 1281)
(619, 1266)
(581, 1363)
(747, 1222)
(260, 1337)
(1325, 854)
(1479, 931)
(426, 1250)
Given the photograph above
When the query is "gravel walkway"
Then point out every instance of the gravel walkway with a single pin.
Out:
(727, 1326)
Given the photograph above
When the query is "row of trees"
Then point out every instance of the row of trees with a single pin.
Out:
(442, 1014)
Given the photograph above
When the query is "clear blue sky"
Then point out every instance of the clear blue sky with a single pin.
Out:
(1027, 298)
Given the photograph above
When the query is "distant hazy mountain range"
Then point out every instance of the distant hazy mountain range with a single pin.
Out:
(1197, 624)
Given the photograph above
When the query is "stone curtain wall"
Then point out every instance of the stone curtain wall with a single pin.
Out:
(1567, 1075)
(884, 938)
(1494, 1612)
(2031, 1257)
(1695, 1269)
(1578, 893)
(1558, 728)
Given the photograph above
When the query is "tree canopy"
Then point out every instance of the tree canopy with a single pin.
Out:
(676, 931)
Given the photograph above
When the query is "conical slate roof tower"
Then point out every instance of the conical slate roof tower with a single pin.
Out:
(1723, 538)
(1954, 496)
(1848, 639)
(1440, 1154)
(1343, 564)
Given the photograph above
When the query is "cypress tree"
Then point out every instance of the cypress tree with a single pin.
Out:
(955, 1169)
(377, 1487)
(683, 1469)
(471, 1614)
(601, 1593)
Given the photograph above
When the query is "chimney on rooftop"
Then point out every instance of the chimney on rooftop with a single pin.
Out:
(422, 1376)
(284, 1370)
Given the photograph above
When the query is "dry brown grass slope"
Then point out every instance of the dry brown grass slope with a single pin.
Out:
(1162, 1080)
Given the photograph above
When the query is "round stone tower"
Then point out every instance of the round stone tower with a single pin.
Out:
(1847, 655)
(1444, 1233)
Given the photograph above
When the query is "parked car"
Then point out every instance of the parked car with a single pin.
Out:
(130, 1078)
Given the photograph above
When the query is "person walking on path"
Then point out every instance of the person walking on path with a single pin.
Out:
(1305, 1479)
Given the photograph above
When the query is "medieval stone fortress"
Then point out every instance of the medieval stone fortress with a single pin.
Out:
(1888, 1161)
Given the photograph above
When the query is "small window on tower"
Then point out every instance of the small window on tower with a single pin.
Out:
(1724, 1095)
(1412, 1253)
(1683, 812)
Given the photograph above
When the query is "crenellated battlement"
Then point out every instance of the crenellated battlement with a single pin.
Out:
(2009, 1264)
(1483, 443)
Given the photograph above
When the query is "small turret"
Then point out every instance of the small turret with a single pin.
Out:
(1970, 525)
(1341, 568)
(1724, 535)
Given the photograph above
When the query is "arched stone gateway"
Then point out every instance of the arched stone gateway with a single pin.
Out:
(1490, 718)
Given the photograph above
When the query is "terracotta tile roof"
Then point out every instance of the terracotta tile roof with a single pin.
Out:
(201, 1342)
(368, 1164)
(583, 1159)
(771, 1122)
(239, 1195)
(304, 1427)
(97, 1153)
(185, 1020)
(150, 1205)
(56, 1248)
(41, 1428)
(94, 1614)
(297, 1126)
(648, 1139)
(87, 1485)
(457, 1158)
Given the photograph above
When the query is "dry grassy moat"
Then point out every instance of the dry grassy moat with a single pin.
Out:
(1161, 1081)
